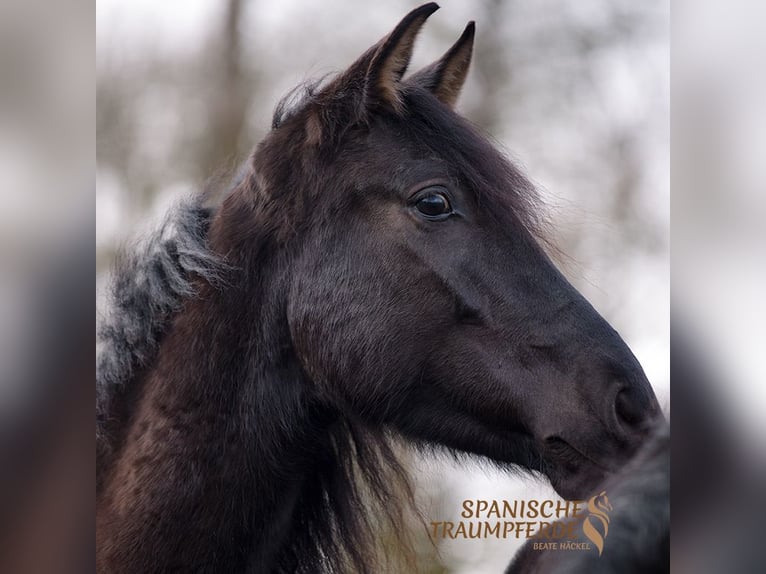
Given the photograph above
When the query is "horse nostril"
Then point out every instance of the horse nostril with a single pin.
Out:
(629, 411)
(467, 313)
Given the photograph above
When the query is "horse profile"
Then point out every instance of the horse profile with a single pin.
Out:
(375, 273)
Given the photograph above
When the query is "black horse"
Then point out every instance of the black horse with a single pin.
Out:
(375, 272)
(638, 539)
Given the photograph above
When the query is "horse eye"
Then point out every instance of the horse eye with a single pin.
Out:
(434, 205)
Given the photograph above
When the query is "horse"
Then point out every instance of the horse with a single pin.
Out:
(638, 521)
(376, 275)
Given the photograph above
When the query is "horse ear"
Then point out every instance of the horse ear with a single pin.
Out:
(445, 77)
(373, 79)
(392, 55)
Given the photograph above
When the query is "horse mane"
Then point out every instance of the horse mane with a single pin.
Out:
(355, 509)
(359, 488)
(296, 99)
(149, 281)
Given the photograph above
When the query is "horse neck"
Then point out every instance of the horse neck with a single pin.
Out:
(221, 442)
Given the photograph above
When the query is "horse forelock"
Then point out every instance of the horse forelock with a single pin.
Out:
(316, 121)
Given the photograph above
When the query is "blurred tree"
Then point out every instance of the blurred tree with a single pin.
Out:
(230, 100)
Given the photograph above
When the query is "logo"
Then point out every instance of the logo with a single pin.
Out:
(579, 525)
(598, 506)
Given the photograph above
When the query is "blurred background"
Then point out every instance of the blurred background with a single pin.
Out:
(575, 92)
